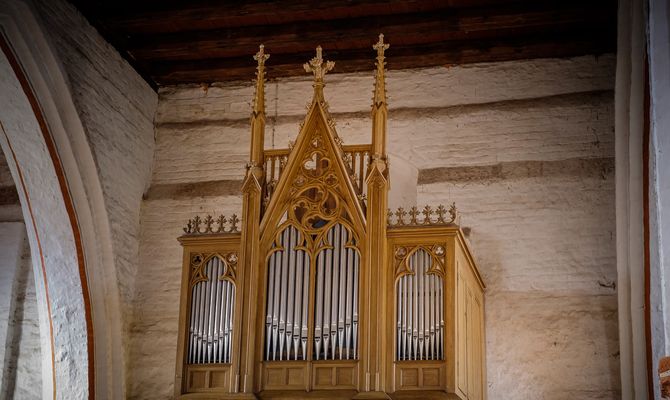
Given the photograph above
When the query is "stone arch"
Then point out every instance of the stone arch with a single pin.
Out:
(66, 219)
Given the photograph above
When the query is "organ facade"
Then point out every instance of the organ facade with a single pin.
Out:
(318, 289)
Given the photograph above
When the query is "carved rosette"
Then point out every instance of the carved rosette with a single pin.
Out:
(403, 253)
(199, 261)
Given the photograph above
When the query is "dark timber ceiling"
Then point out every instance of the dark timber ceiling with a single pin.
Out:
(172, 42)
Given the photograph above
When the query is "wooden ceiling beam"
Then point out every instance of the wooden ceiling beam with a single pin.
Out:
(402, 30)
(399, 57)
(178, 16)
(178, 41)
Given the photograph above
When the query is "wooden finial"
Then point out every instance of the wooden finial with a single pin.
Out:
(259, 95)
(315, 66)
(380, 46)
(261, 57)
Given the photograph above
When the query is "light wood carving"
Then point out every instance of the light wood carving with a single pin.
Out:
(312, 186)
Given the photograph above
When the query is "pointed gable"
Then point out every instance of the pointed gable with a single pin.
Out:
(315, 188)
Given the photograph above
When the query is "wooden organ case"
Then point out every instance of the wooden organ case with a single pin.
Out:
(319, 291)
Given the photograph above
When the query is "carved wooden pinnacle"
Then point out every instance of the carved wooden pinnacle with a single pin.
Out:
(261, 57)
(380, 46)
(315, 66)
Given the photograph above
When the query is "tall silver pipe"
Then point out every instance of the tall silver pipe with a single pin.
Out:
(297, 308)
(335, 291)
(318, 310)
(440, 305)
(228, 332)
(327, 296)
(227, 325)
(202, 345)
(277, 283)
(343, 285)
(218, 310)
(283, 295)
(305, 304)
(349, 293)
(398, 318)
(212, 307)
(269, 304)
(290, 294)
(354, 320)
(195, 310)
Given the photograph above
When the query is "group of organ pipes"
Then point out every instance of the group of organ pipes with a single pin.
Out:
(319, 290)
(211, 317)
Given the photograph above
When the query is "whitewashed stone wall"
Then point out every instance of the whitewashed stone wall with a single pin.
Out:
(12, 236)
(524, 148)
(23, 368)
(20, 354)
(116, 107)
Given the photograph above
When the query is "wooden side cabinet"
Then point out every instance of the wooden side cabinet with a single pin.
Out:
(435, 308)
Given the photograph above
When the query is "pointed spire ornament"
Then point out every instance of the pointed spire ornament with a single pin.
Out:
(259, 95)
(379, 107)
(380, 84)
(316, 66)
(258, 115)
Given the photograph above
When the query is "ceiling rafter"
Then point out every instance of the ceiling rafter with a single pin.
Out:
(174, 42)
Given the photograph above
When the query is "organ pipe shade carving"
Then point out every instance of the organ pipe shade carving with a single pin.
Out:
(419, 311)
(211, 314)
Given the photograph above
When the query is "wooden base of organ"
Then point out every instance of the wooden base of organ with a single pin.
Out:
(323, 293)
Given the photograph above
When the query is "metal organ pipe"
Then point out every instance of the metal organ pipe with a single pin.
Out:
(335, 315)
(287, 299)
(336, 311)
(419, 311)
(211, 316)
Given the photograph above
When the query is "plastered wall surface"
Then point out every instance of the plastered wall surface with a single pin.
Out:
(116, 108)
(12, 235)
(20, 350)
(524, 148)
(23, 366)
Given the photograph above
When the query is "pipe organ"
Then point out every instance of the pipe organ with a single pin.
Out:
(321, 288)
